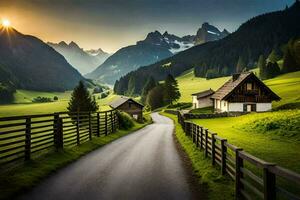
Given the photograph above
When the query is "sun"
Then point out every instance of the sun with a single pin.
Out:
(6, 23)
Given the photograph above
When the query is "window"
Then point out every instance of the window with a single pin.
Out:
(224, 103)
(249, 86)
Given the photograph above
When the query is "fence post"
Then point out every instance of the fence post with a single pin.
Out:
(201, 139)
(58, 132)
(213, 140)
(223, 156)
(111, 122)
(98, 124)
(77, 129)
(269, 183)
(238, 173)
(90, 126)
(193, 132)
(106, 123)
(206, 143)
(197, 136)
(28, 138)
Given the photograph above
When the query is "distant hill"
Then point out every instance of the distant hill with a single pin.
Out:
(26, 62)
(260, 35)
(154, 48)
(83, 61)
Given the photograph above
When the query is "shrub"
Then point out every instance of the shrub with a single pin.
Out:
(180, 106)
(97, 90)
(55, 98)
(104, 95)
(125, 120)
(41, 99)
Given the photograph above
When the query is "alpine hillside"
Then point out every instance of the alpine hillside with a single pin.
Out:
(258, 36)
(83, 61)
(26, 62)
(154, 48)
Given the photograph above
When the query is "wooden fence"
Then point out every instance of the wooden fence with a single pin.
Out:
(22, 137)
(254, 178)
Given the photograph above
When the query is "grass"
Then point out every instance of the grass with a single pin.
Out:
(219, 187)
(287, 86)
(189, 84)
(271, 136)
(26, 107)
(20, 179)
(205, 110)
(26, 96)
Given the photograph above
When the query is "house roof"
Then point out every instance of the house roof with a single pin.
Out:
(204, 93)
(225, 90)
(121, 100)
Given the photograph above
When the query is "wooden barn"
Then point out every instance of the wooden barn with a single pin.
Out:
(244, 93)
(203, 99)
(129, 106)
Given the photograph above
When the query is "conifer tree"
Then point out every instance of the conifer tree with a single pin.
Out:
(261, 64)
(81, 100)
(155, 97)
(273, 57)
(272, 70)
(131, 86)
(148, 86)
(171, 91)
(291, 60)
(240, 65)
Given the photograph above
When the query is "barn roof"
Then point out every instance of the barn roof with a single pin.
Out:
(121, 100)
(204, 93)
(235, 81)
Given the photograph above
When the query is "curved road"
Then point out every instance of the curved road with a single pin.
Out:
(143, 165)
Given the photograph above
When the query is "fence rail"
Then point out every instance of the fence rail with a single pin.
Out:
(254, 178)
(22, 137)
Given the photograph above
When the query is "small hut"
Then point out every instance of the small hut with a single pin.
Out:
(203, 99)
(129, 106)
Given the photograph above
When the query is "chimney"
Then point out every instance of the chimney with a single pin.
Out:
(235, 76)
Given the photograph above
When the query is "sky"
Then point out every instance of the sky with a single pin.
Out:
(113, 24)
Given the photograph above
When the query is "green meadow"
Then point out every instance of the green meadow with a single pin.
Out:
(273, 136)
(189, 84)
(287, 86)
(23, 103)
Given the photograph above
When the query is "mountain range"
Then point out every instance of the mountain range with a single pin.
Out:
(26, 62)
(258, 36)
(153, 48)
(83, 61)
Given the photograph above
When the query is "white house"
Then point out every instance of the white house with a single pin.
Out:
(244, 93)
(203, 99)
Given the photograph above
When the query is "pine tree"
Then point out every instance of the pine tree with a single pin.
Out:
(240, 65)
(273, 57)
(288, 61)
(131, 86)
(171, 91)
(81, 100)
(261, 64)
(155, 97)
(148, 86)
(291, 60)
(272, 70)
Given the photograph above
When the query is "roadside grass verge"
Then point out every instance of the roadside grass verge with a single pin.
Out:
(219, 187)
(271, 136)
(17, 180)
